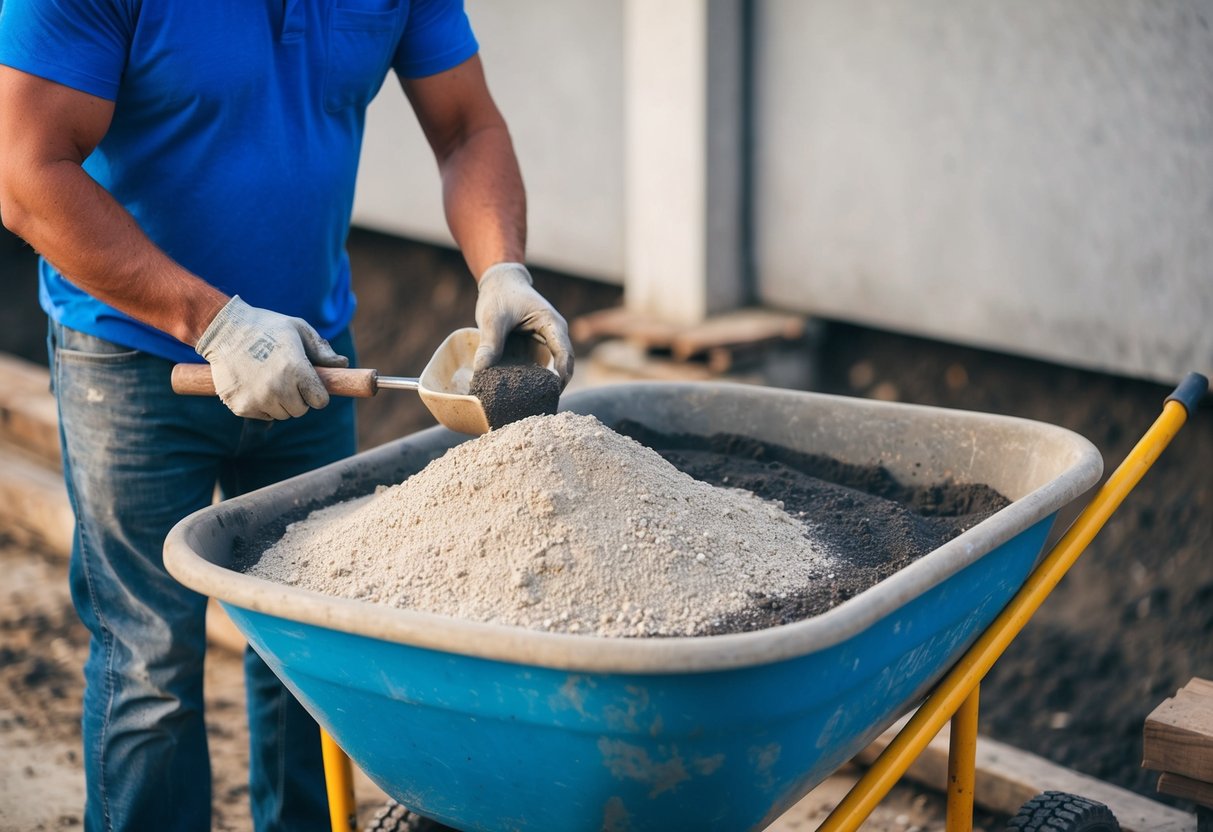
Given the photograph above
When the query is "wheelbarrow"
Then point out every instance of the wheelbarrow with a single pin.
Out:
(488, 727)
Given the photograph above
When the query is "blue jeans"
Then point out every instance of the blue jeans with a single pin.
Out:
(137, 458)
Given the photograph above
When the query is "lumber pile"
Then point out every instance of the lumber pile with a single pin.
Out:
(735, 343)
(1178, 743)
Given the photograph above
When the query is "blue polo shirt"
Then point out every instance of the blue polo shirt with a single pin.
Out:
(236, 133)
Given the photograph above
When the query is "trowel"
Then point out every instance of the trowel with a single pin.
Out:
(442, 385)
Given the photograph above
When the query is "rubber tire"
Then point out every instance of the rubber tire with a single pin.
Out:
(1061, 812)
(396, 818)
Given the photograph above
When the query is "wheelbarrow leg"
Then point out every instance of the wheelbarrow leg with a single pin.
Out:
(339, 781)
(962, 765)
(950, 694)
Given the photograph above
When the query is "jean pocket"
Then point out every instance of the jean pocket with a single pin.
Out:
(361, 41)
(78, 347)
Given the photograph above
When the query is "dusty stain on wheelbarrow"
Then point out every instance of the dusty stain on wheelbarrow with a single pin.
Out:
(571, 694)
(628, 761)
(632, 714)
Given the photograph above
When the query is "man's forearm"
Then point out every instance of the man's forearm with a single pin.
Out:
(485, 200)
(94, 242)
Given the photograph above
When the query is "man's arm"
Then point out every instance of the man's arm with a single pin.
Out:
(261, 360)
(46, 132)
(481, 186)
(486, 208)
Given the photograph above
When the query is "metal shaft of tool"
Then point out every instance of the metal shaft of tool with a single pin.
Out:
(397, 383)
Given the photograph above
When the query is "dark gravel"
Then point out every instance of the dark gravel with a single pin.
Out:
(516, 391)
(874, 524)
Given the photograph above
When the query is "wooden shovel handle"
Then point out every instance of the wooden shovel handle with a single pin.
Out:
(196, 380)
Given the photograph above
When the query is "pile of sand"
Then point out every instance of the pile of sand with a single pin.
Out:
(554, 523)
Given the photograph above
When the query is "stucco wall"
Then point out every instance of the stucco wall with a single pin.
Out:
(1033, 176)
(555, 70)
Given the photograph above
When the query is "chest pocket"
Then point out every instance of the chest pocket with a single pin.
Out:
(361, 42)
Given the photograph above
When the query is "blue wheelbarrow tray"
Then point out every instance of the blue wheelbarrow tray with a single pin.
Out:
(489, 727)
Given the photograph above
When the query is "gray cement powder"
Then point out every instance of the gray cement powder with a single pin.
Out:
(554, 523)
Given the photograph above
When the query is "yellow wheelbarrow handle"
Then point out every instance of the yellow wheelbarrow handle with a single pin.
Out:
(960, 684)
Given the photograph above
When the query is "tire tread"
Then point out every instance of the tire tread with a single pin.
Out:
(1062, 812)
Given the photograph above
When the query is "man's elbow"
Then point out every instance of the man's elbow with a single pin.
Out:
(13, 214)
(13, 218)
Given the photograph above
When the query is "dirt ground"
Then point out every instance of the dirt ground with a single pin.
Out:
(44, 647)
(1131, 624)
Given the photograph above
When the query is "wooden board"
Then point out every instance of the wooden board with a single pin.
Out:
(29, 417)
(221, 631)
(743, 327)
(1178, 735)
(620, 322)
(33, 501)
(737, 329)
(1177, 785)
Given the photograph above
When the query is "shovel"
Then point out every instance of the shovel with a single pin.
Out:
(443, 384)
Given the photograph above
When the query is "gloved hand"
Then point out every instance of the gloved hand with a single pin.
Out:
(507, 302)
(262, 361)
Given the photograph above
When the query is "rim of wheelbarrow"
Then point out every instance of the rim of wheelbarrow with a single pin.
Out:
(580, 652)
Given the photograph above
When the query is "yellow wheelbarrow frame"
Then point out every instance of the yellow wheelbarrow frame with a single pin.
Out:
(956, 697)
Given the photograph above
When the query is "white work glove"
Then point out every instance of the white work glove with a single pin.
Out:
(262, 361)
(508, 302)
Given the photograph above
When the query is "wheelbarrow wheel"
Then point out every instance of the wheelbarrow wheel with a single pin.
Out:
(1061, 812)
(396, 818)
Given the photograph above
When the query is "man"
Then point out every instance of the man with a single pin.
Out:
(186, 170)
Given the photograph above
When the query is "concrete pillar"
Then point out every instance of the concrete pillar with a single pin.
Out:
(683, 157)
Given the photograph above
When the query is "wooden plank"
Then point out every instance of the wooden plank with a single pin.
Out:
(32, 424)
(612, 362)
(1177, 785)
(33, 501)
(1008, 777)
(742, 327)
(1178, 735)
(620, 322)
(19, 375)
(29, 417)
(221, 631)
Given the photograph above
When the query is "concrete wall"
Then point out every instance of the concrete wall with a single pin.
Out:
(1036, 177)
(1031, 176)
(555, 70)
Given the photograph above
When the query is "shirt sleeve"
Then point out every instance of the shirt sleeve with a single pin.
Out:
(80, 44)
(436, 37)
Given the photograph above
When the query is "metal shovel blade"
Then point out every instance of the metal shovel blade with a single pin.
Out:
(443, 384)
